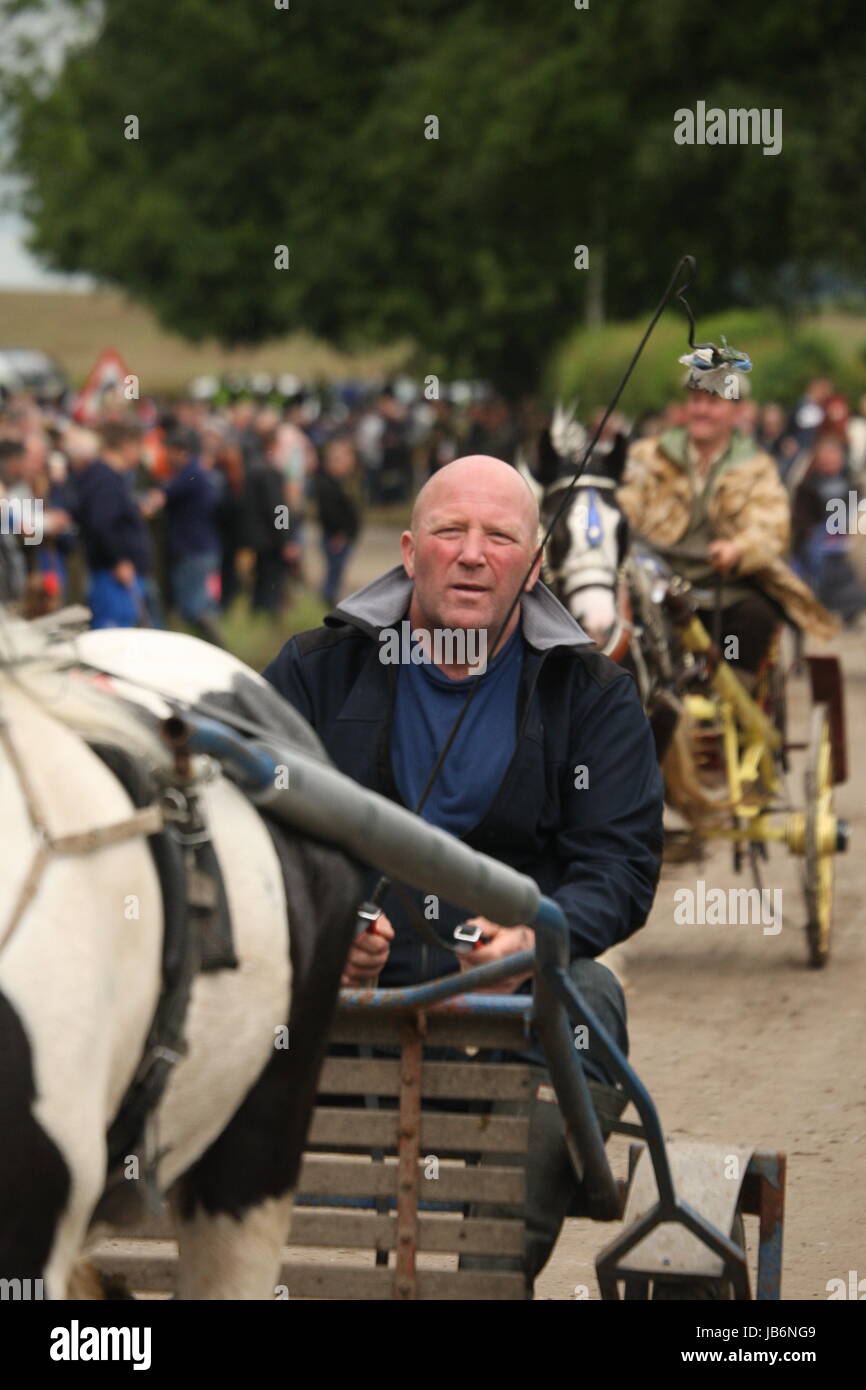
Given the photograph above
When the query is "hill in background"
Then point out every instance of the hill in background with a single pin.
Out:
(74, 328)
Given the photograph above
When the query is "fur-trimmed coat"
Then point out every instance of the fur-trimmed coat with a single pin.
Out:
(747, 503)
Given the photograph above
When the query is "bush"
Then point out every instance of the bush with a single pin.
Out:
(590, 364)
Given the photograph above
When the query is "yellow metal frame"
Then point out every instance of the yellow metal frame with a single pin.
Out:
(750, 745)
(750, 742)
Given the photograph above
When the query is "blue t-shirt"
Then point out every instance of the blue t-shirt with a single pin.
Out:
(427, 704)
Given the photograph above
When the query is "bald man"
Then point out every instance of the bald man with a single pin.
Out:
(553, 770)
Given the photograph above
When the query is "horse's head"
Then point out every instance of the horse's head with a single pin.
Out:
(589, 540)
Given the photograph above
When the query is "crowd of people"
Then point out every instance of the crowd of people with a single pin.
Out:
(145, 510)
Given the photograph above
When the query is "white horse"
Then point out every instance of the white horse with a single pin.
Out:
(81, 945)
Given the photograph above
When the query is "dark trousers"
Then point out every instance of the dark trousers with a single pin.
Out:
(269, 585)
(751, 620)
(553, 1190)
(335, 564)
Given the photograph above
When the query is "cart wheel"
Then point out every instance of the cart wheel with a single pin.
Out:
(704, 1290)
(818, 785)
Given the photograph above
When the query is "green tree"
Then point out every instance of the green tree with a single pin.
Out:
(261, 127)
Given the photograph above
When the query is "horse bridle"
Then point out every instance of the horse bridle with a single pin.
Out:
(620, 638)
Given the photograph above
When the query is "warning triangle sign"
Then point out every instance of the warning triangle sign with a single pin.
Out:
(105, 381)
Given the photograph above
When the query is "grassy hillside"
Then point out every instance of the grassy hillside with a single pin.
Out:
(74, 329)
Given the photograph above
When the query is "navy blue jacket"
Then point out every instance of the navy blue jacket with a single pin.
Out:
(111, 525)
(191, 500)
(595, 846)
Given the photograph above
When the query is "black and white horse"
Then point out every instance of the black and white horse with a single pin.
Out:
(83, 924)
(610, 584)
(589, 543)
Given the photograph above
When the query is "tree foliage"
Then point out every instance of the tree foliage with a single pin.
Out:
(305, 127)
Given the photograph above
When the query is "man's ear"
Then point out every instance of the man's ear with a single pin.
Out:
(407, 551)
(534, 574)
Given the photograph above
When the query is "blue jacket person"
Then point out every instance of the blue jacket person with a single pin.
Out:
(553, 770)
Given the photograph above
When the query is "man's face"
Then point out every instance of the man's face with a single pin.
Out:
(469, 555)
(709, 418)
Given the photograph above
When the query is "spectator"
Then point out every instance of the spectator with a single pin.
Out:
(773, 437)
(369, 440)
(857, 444)
(273, 544)
(808, 415)
(117, 543)
(295, 456)
(13, 570)
(338, 513)
(193, 542)
(821, 553)
(224, 462)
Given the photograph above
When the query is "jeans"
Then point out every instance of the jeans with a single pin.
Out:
(193, 585)
(335, 564)
(153, 603)
(111, 603)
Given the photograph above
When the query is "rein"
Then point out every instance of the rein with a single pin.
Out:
(147, 821)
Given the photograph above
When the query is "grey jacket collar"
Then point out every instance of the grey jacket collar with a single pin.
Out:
(383, 603)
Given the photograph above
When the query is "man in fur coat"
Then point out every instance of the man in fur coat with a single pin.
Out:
(712, 503)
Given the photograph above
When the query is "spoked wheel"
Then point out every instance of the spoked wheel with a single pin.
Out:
(821, 837)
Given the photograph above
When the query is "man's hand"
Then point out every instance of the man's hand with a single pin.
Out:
(723, 555)
(152, 502)
(367, 955)
(497, 943)
(124, 572)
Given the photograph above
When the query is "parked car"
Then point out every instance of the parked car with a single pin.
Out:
(25, 369)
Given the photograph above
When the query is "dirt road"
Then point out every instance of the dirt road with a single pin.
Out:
(738, 1040)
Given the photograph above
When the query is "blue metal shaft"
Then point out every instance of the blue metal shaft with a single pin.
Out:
(459, 983)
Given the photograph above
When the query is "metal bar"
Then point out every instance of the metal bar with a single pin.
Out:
(771, 1209)
(759, 830)
(637, 1093)
(582, 1130)
(448, 987)
(408, 1153)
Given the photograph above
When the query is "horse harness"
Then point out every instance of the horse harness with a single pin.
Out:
(197, 932)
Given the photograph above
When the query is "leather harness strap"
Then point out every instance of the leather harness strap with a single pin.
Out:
(147, 821)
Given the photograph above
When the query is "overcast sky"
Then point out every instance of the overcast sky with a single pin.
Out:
(18, 269)
(53, 30)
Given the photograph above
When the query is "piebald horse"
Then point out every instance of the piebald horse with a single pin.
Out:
(82, 924)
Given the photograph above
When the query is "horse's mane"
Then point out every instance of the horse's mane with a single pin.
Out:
(38, 659)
